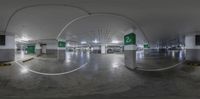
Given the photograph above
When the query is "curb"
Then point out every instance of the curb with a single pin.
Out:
(5, 64)
(27, 60)
(192, 63)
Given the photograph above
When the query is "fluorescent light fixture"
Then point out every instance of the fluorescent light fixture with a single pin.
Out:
(83, 42)
(95, 41)
(24, 39)
(115, 41)
(115, 65)
(68, 44)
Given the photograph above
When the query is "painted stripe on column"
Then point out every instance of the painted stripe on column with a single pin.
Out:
(189, 48)
(130, 47)
(60, 48)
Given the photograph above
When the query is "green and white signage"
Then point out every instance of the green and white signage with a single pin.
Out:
(146, 46)
(130, 39)
(61, 44)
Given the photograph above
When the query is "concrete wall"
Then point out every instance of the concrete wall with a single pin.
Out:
(130, 56)
(51, 49)
(44, 49)
(190, 42)
(37, 49)
(7, 52)
(61, 54)
(193, 54)
(192, 50)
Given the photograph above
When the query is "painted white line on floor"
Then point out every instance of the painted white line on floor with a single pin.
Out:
(159, 69)
(50, 74)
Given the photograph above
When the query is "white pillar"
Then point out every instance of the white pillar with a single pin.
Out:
(130, 56)
(37, 49)
(103, 49)
(43, 48)
(21, 48)
(7, 51)
(192, 50)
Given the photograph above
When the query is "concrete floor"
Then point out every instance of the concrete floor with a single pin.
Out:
(104, 77)
(159, 60)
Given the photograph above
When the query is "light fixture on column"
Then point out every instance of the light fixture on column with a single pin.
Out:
(83, 42)
(22, 39)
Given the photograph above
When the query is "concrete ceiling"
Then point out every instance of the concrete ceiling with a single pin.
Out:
(104, 28)
(42, 22)
(158, 19)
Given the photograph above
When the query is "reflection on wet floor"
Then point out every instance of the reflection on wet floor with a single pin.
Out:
(52, 65)
(104, 77)
(20, 55)
(156, 59)
(152, 60)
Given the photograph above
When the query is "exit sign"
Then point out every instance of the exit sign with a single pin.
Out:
(61, 44)
(130, 39)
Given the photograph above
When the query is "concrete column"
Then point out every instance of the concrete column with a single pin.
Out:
(7, 51)
(61, 50)
(146, 51)
(103, 49)
(43, 48)
(130, 50)
(130, 56)
(37, 49)
(15, 48)
(192, 50)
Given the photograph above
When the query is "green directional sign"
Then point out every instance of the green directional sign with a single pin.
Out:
(30, 49)
(61, 44)
(130, 39)
(146, 45)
